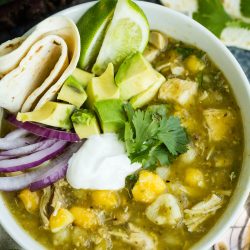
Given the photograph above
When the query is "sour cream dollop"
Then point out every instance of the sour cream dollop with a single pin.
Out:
(101, 164)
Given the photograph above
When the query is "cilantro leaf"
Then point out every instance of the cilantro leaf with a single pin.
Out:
(159, 110)
(155, 156)
(145, 129)
(161, 154)
(173, 135)
(245, 7)
(212, 15)
(141, 156)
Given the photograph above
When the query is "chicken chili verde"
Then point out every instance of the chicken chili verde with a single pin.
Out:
(115, 136)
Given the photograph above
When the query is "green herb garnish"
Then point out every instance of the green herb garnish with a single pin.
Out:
(212, 15)
(187, 51)
(151, 137)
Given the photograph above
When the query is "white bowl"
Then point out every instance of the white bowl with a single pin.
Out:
(182, 28)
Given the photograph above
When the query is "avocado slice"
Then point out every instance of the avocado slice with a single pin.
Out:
(111, 114)
(51, 113)
(148, 95)
(72, 90)
(83, 77)
(134, 76)
(103, 87)
(85, 123)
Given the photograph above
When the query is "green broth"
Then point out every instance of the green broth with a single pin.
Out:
(213, 93)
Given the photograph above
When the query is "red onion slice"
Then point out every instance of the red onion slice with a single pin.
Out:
(58, 169)
(42, 176)
(26, 149)
(42, 131)
(14, 183)
(16, 134)
(51, 176)
(33, 160)
(8, 142)
(20, 142)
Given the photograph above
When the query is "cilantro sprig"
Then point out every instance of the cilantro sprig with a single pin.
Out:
(151, 137)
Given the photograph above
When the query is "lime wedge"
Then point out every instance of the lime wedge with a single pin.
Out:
(127, 33)
(92, 27)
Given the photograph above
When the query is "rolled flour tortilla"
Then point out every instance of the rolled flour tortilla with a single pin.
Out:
(40, 60)
(72, 37)
(52, 67)
(46, 59)
(9, 46)
(12, 52)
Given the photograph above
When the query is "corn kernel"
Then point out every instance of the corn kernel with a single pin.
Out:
(30, 200)
(84, 217)
(194, 177)
(60, 220)
(194, 64)
(105, 199)
(148, 187)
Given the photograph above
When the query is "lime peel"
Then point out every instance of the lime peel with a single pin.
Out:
(127, 33)
(92, 27)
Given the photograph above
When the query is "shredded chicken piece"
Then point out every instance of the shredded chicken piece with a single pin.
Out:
(150, 53)
(45, 199)
(158, 40)
(57, 207)
(175, 90)
(195, 216)
(136, 237)
(58, 194)
(51, 198)
(220, 123)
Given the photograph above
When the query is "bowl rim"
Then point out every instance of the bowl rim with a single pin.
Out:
(26, 241)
